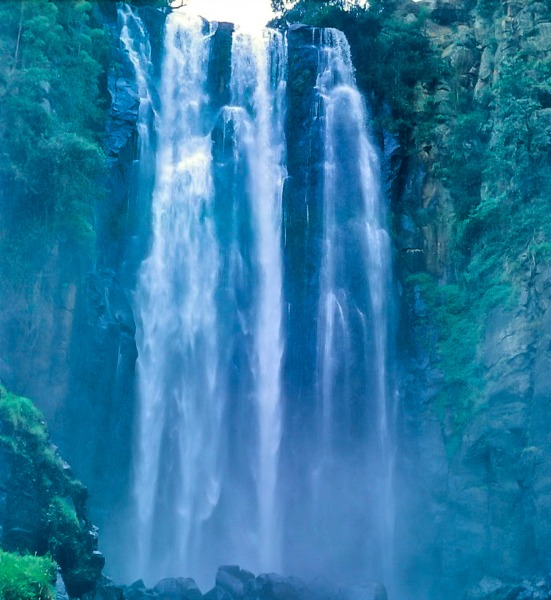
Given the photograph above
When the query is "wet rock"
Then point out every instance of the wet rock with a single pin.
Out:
(234, 583)
(233, 579)
(109, 592)
(108, 305)
(218, 593)
(219, 73)
(272, 586)
(138, 591)
(491, 588)
(177, 589)
(60, 590)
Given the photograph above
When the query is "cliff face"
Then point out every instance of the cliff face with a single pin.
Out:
(67, 338)
(481, 455)
(471, 232)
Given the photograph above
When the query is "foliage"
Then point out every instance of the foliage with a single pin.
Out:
(495, 163)
(499, 172)
(63, 531)
(52, 58)
(26, 577)
(155, 3)
(391, 54)
(45, 494)
(25, 434)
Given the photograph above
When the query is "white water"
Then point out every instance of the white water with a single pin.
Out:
(258, 87)
(135, 40)
(183, 481)
(178, 467)
(351, 174)
(211, 334)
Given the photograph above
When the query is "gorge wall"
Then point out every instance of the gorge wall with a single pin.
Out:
(468, 187)
(476, 391)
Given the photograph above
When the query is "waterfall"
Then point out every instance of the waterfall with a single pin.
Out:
(258, 87)
(353, 313)
(209, 302)
(248, 451)
(178, 464)
(135, 40)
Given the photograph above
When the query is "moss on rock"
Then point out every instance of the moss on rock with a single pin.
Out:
(44, 508)
(26, 577)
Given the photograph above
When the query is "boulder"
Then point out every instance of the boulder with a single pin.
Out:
(106, 590)
(60, 591)
(138, 591)
(491, 588)
(177, 589)
(233, 579)
(218, 593)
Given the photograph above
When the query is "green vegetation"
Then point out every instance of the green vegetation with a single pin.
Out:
(26, 577)
(25, 435)
(453, 326)
(498, 172)
(495, 163)
(52, 61)
(392, 54)
(46, 504)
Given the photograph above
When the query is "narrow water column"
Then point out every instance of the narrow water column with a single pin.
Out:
(353, 318)
(178, 463)
(259, 65)
(337, 441)
(135, 40)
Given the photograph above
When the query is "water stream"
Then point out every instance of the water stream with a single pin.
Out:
(217, 397)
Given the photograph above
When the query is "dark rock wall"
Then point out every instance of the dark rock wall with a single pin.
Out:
(302, 247)
(75, 354)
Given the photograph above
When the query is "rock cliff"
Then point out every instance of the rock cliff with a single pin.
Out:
(471, 236)
(481, 456)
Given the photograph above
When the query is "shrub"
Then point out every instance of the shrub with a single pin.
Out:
(26, 577)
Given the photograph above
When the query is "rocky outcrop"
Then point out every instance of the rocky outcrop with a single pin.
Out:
(234, 583)
(302, 232)
(103, 371)
(42, 505)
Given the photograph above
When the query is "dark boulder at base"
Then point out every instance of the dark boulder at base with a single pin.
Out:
(234, 583)
(138, 591)
(105, 590)
(178, 589)
(233, 579)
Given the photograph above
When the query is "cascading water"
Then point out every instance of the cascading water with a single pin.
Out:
(258, 86)
(353, 316)
(178, 472)
(136, 43)
(209, 300)
(223, 334)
